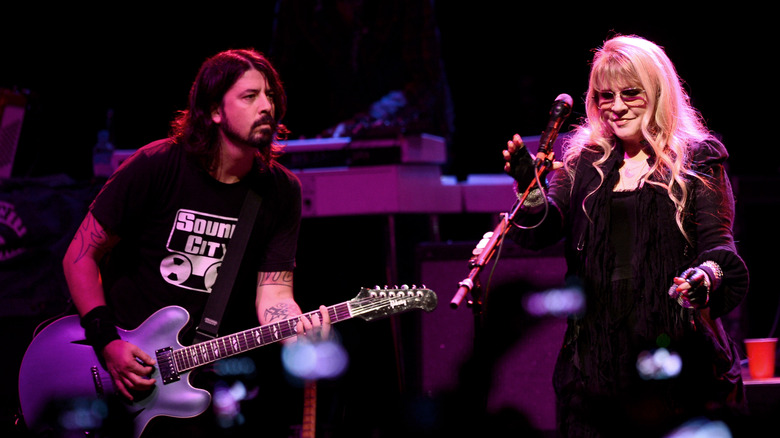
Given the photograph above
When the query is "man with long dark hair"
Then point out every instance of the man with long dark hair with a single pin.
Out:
(156, 233)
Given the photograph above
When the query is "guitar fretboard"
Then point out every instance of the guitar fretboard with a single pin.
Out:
(200, 354)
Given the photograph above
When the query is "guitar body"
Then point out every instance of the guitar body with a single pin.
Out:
(59, 366)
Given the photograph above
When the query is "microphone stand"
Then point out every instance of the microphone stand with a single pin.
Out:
(483, 254)
(544, 159)
(491, 241)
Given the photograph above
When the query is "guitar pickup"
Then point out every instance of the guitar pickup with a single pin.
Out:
(167, 367)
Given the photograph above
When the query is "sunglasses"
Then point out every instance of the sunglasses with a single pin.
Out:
(629, 96)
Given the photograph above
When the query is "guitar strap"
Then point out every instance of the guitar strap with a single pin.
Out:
(226, 278)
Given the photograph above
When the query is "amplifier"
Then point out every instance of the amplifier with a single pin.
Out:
(520, 378)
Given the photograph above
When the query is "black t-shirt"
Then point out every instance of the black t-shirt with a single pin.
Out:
(175, 222)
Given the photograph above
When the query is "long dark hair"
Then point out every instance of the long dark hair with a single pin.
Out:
(194, 129)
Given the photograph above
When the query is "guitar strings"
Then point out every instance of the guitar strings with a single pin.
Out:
(199, 354)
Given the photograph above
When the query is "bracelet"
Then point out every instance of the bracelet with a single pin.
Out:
(534, 198)
(99, 327)
(714, 271)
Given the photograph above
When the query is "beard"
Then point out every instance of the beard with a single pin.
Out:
(261, 135)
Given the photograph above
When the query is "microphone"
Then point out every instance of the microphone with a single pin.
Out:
(560, 110)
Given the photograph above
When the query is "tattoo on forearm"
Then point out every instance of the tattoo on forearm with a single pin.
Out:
(277, 312)
(275, 278)
(89, 235)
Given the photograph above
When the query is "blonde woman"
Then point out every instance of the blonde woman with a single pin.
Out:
(646, 210)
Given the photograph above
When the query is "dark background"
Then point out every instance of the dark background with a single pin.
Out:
(505, 62)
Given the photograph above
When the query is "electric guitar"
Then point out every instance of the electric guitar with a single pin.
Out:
(59, 365)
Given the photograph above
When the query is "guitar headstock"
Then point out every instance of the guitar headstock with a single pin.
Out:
(379, 302)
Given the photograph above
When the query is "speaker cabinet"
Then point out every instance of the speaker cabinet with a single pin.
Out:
(502, 352)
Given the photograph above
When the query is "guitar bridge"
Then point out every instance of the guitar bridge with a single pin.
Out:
(166, 365)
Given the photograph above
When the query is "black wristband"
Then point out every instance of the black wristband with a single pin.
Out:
(99, 327)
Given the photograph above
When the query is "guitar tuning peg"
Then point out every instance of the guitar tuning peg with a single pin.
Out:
(404, 286)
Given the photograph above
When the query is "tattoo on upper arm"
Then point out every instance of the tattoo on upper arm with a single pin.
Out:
(283, 278)
(91, 237)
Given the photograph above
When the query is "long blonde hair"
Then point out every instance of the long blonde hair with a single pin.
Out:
(670, 124)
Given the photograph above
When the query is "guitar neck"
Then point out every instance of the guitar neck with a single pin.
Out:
(200, 354)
